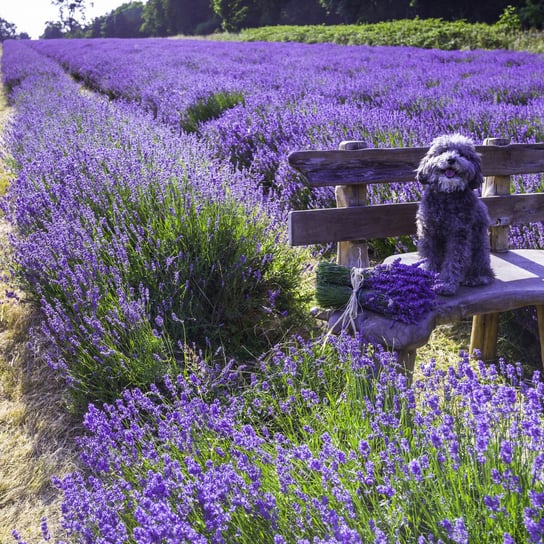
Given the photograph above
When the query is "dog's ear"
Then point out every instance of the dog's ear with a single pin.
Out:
(423, 170)
(477, 179)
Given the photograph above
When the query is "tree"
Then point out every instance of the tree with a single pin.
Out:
(8, 31)
(154, 17)
(485, 11)
(237, 14)
(72, 14)
(532, 14)
(304, 12)
(171, 17)
(123, 22)
(53, 30)
(367, 11)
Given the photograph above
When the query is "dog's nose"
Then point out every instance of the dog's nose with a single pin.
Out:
(451, 160)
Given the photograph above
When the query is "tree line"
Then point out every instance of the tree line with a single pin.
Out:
(202, 17)
(9, 31)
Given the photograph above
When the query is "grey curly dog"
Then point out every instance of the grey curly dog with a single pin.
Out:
(452, 222)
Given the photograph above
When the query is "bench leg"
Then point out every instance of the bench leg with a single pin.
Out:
(484, 335)
(540, 316)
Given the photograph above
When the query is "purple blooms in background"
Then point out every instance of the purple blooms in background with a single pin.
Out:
(299, 96)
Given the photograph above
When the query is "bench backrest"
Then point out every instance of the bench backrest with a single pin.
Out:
(353, 167)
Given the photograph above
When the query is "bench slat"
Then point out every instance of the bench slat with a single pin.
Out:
(376, 165)
(329, 225)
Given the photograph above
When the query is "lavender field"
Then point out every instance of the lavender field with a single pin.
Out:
(149, 195)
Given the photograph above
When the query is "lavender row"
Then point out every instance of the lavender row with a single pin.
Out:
(134, 241)
(385, 95)
(253, 103)
(311, 442)
(323, 448)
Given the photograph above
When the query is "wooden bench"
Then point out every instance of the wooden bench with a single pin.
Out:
(519, 273)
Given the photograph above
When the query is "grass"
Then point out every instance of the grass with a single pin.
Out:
(36, 433)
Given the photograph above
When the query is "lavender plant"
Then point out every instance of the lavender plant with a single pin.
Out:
(329, 444)
(296, 96)
(136, 243)
(131, 231)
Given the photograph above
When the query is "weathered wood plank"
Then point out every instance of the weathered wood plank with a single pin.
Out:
(540, 317)
(355, 223)
(382, 221)
(376, 165)
(323, 168)
(518, 283)
(353, 252)
(483, 336)
(499, 235)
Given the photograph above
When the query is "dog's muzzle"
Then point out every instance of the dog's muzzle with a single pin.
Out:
(449, 180)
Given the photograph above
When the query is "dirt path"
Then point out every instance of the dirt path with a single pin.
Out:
(36, 433)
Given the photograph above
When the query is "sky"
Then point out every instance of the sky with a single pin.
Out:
(30, 16)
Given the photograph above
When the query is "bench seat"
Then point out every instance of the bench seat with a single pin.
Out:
(519, 282)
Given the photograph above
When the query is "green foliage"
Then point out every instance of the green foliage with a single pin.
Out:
(52, 31)
(509, 20)
(235, 14)
(211, 277)
(426, 33)
(210, 107)
(70, 13)
(220, 284)
(123, 22)
(367, 10)
(171, 17)
(238, 14)
(532, 14)
(8, 31)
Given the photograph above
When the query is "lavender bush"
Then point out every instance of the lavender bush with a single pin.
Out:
(135, 216)
(136, 243)
(256, 102)
(329, 444)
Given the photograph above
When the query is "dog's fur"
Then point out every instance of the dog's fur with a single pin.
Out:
(452, 222)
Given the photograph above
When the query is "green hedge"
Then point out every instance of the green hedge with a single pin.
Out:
(426, 33)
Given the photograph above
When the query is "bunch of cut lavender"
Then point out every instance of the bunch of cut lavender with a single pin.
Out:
(400, 291)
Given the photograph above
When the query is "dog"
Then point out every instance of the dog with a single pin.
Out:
(452, 222)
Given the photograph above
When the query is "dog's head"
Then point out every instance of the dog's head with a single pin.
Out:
(451, 164)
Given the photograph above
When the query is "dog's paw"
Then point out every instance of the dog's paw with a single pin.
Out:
(478, 281)
(445, 288)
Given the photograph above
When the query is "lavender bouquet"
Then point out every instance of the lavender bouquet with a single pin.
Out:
(400, 291)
